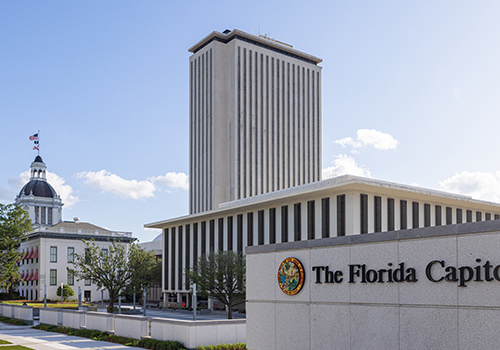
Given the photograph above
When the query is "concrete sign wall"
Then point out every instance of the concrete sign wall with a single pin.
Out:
(429, 288)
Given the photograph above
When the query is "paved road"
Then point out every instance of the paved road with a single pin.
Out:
(41, 340)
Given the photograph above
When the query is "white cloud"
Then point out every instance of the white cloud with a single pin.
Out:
(348, 141)
(174, 180)
(62, 189)
(377, 139)
(369, 137)
(108, 182)
(19, 181)
(479, 185)
(6, 196)
(59, 184)
(343, 165)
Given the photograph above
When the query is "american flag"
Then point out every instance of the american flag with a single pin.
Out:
(34, 137)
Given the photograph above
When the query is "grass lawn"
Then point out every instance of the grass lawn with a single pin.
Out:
(38, 305)
(4, 342)
(16, 347)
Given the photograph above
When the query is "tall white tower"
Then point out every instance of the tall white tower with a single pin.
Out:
(39, 198)
(255, 118)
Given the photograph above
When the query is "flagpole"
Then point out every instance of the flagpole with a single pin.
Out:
(39, 148)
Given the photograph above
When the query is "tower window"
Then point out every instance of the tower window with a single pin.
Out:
(378, 213)
(249, 229)
(230, 233)
(415, 218)
(390, 214)
(427, 215)
(260, 227)
(341, 215)
(272, 225)
(363, 213)
(325, 217)
(297, 227)
(469, 215)
(438, 215)
(403, 214)
(311, 229)
(284, 223)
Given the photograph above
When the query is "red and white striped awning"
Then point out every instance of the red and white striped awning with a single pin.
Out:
(30, 276)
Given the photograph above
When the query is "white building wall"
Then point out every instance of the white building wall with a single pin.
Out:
(34, 290)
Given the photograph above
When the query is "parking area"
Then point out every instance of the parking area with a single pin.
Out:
(182, 314)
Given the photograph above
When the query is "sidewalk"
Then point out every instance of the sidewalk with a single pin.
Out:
(41, 340)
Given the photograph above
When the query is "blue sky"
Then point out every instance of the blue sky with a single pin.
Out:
(410, 94)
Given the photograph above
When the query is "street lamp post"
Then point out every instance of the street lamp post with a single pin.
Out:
(194, 302)
(134, 298)
(120, 301)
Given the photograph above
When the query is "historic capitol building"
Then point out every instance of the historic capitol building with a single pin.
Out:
(50, 247)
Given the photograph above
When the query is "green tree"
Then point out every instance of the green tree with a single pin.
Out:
(111, 269)
(221, 276)
(67, 292)
(146, 270)
(15, 225)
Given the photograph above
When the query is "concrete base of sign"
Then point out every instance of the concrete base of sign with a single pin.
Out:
(427, 288)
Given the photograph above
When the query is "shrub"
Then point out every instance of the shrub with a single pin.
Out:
(90, 333)
(6, 296)
(12, 321)
(155, 344)
(121, 340)
(66, 292)
(44, 327)
(235, 346)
